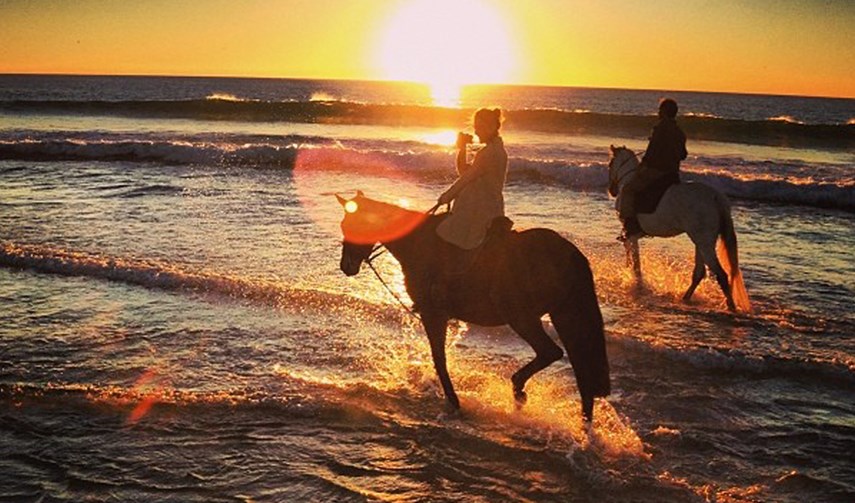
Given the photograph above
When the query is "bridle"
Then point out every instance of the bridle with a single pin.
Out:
(621, 165)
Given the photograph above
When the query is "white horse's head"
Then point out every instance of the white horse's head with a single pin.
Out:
(622, 164)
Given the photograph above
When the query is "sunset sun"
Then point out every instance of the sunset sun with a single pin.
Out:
(447, 44)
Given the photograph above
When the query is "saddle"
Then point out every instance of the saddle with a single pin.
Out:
(456, 265)
(499, 229)
(463, 260)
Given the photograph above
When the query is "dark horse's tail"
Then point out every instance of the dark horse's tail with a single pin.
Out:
(579, 324)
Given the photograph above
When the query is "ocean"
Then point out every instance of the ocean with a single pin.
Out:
(175, 326)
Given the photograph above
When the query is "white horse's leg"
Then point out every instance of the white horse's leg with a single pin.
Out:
(633, 259)
(708, 252)
(697, 274)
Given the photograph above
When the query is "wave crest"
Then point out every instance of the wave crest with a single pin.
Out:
(325, 109)
(158, 275)
(809, 185)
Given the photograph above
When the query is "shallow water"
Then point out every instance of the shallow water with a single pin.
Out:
(175, 327)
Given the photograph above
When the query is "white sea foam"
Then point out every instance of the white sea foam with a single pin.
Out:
(226, 97)
(158, 275)
(797, 184)
(785, 118)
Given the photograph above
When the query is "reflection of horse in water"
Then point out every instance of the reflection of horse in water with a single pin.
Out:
(698, 210)
(514, 280)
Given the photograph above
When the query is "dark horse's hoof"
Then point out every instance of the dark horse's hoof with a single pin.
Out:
(452, 409)
(520, 397)
(588, 409)
(453, 403)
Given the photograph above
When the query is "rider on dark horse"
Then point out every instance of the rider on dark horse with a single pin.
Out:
(468, 265)
(659, 169)
(477, 197)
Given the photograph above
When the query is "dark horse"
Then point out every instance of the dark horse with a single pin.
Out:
(514, 281)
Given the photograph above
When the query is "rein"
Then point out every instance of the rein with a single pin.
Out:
(369, 261)
(380, 249)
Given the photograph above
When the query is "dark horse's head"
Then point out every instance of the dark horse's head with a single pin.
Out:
(368, 222)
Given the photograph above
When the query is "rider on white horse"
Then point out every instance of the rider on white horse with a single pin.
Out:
(659, 169)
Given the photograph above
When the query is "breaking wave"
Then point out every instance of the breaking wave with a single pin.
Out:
(797, 184)
(158, 275)
(775, 131)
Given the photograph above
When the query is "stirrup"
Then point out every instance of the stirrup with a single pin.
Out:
(631, 230)
(623, 238)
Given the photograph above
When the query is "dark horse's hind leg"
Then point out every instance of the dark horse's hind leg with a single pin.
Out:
(580, 330)
(531, 330)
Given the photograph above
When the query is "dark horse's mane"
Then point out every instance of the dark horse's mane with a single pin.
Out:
(512, 281)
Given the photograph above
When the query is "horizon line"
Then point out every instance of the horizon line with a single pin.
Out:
(333, 79)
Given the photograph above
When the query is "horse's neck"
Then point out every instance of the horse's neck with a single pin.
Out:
(386, 223)
(413, 249)
(627, 169)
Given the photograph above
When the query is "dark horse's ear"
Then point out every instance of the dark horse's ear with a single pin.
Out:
(359, 193)
(342, 201)
(612, 148)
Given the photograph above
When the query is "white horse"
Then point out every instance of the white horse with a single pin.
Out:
(700, 211)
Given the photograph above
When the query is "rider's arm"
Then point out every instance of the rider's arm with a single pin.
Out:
(462, 165)
(653, 148)
(470, 173)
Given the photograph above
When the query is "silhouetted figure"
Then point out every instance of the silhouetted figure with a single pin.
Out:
(659, 169)
(531, 273)
(478, 203)
(477, 193)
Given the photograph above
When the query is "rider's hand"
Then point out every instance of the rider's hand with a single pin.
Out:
(463, 139)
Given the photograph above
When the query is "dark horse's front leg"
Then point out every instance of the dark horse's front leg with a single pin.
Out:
(436, 327)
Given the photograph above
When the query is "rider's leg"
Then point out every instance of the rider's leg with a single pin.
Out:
(631, 227)
(627, 210)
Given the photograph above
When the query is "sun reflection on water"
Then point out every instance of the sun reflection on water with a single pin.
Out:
(446, 137)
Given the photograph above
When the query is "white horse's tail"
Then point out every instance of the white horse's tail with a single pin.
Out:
(728, 255)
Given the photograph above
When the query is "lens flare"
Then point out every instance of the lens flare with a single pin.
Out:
(379, 222)
(341, 171)
(150, 387)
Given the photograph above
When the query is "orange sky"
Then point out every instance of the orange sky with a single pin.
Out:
(804, 47)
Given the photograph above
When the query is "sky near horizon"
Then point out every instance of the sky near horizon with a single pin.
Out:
(799, 47)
